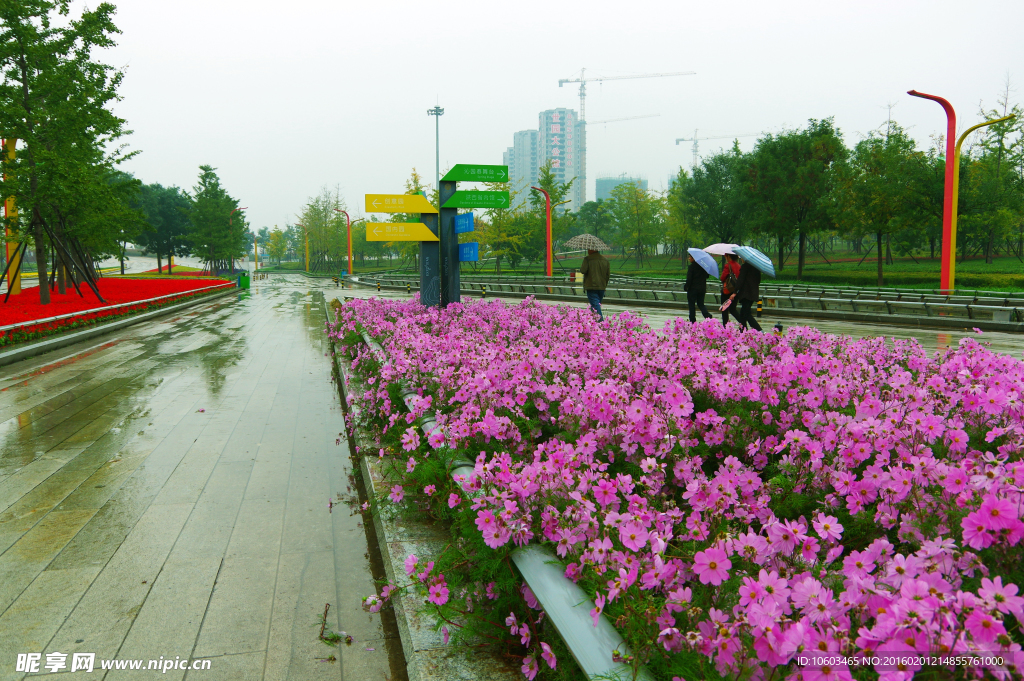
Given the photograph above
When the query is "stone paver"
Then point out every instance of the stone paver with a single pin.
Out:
(163, 492)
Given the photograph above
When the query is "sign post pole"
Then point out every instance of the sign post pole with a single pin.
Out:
(450, 281)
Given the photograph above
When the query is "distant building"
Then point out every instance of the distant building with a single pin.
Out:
(605, 185)
(560, 139)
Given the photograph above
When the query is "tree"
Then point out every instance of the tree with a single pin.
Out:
(277, 245)
(325, 228)
(166, 222)
(595, 217)
(215, 234)
(55, 99)
(640, 217)
(716, 197)
(679, 215)
(788, 179)
(874, 191)
(504, 230)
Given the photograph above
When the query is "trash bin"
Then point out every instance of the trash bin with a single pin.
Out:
(243, 280)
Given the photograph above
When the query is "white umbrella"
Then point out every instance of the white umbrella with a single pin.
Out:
(720, 249)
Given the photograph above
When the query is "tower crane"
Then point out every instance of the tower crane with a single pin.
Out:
(696, 139)
(627, 118)
(583, 80)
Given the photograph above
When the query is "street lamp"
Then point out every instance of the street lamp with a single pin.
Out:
(547, 228)
(437, 112)
(348, 227)
(233, 235)
(950, 194)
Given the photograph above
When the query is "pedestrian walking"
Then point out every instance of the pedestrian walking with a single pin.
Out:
(747, 293)
(730, 283)
(696, 286)
(596, 271)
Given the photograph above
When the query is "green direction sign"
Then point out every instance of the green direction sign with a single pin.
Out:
(465, 172)
(475, 199)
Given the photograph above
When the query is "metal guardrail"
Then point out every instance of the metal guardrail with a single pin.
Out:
(985, 309)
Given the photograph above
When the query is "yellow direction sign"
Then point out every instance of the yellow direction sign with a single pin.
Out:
(398, 203)
(399, 231)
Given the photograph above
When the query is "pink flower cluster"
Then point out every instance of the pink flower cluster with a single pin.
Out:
(772, 503)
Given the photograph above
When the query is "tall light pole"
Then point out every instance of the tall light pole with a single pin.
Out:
(348, 227)
(547, 228)
(233, 233)
(950, 195)
(437, 112)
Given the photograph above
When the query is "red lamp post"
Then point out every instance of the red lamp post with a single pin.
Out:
(947, 194)
(547, 228)
(348, 227)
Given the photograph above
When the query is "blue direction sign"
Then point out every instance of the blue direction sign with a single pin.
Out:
(469, 252)
(464, 223)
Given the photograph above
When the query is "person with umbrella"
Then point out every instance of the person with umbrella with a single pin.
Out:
(595, 268)
(696, 285)
(748, 288)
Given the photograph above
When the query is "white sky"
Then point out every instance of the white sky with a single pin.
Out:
(284, 98)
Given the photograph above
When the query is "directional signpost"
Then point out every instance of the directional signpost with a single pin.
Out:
(464, 223)
(440, 251)
(464, 172)
(475, 199)
(425, 232)
(398, 203)
(398, 231)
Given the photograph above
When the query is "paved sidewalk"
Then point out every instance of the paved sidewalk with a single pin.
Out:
(164, 492)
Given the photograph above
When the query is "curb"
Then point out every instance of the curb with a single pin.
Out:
(62, 340)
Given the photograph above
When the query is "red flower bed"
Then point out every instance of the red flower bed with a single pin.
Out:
(26, 308)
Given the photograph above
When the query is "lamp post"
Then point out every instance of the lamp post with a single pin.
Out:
(950, 194)
(437, 112)
(348, 228)
(547, 227)
(11, 214)
(233, 233)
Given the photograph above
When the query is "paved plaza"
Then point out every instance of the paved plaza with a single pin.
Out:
(164, 492)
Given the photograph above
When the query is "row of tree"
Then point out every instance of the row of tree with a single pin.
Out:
(63, 146)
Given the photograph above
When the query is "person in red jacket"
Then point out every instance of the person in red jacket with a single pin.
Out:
(732, 266)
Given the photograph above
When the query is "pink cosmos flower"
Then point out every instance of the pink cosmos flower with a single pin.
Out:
(397, 494)
(595, 612)
(997, 513)
(1005, 598)
(438, 594)
(828, 527)
(429, 490)
(712, 566)
(454, 500)
(410, 563)
(444, 633)
(547, 655)
(410, 465)
(604, 492)
(410, 440)
(983, 627)
(633, 536)
(529, 667)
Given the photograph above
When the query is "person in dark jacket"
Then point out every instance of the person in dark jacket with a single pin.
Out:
(747, 294)
(731, 266)
(596, 271)
(696, 286)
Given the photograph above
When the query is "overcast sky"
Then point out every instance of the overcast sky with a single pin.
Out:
(284, 98)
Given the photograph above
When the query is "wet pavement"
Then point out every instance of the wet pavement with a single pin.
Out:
(164, 493)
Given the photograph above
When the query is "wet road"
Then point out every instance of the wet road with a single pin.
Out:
(164, 492)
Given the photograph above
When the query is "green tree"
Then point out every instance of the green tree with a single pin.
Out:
(640, 217)
(788, 180)
(595, 217)
(874, 191)
(277, 245)
(166, 222)
(325, 227)
(716, 197)
(215, 234)
(503, 231)
(679, 214)
(55, 98)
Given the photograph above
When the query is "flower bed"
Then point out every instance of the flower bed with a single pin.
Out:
(739, 505)
(21, 311)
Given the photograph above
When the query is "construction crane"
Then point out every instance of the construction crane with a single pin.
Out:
(627, 118)
(583, 80)
(696, 139)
